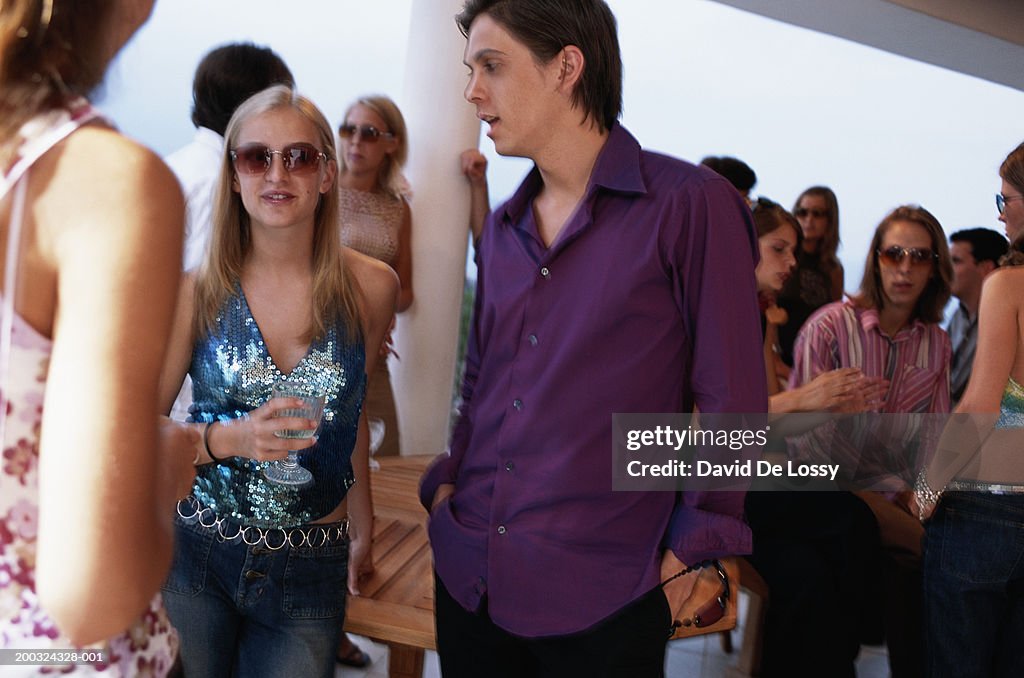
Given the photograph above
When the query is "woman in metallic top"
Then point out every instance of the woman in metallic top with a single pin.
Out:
(260, 569)
(974, 549)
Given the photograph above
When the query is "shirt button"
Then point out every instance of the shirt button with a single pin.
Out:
(517, 403)
(545, 271)
(253, 574)
(501, 529)
(509, 466)
(532, 339)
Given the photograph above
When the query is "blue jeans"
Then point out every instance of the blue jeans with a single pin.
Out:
(974, 586)
(249, 611)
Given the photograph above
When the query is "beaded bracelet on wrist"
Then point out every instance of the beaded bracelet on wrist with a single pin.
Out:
(926, 497)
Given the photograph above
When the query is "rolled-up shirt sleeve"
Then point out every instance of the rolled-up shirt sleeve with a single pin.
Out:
(715, 258)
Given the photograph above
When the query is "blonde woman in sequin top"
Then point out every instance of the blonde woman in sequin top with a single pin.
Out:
(91, 224)
(258, 584)
(376, 220)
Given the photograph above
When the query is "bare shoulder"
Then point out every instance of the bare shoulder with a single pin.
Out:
(100, 155)
(377, 281)
(114, 180)
(1005, 284)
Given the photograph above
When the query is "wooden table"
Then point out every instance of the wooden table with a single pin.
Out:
(397, 602)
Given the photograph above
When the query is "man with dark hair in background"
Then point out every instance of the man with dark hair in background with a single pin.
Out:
(976, 253)
(739, 173)
(225, 78)
(614, 280)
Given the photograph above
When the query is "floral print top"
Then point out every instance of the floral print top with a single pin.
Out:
(149, 647)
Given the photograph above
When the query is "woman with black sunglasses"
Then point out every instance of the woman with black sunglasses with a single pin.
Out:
(258, 583)
(818, 276)
(974, 551)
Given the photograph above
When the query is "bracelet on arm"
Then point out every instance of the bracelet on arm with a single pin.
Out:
(713, 610)
(206, 443)
(925, 496)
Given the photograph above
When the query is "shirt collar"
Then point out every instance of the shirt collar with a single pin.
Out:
(207, 137)
(617, 168)
(869, 321)
(962, 310)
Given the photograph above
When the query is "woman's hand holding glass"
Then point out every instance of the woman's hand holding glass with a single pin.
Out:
(308, 407)
(257, 435)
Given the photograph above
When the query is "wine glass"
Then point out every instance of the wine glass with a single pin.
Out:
(289, 472)
(377, 429)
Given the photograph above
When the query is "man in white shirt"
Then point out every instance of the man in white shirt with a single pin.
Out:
(975, 253)
(225, 78)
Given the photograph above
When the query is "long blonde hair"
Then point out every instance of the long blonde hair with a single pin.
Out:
(389, 175)
(334, 290)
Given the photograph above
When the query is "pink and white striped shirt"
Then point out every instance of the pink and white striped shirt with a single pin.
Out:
(879, 453)
(915, 361)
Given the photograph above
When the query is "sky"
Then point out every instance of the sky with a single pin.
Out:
(800, 107)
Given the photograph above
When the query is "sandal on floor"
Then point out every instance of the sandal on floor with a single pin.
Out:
(353, 657)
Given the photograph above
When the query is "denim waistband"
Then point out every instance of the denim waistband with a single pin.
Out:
(274, 538)
(978, 486)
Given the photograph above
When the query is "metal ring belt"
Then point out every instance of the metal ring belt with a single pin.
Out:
(273, 538)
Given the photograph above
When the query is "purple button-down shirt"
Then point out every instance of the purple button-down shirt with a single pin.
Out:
(644, 303)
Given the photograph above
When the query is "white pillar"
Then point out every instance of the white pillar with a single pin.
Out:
(441, 125)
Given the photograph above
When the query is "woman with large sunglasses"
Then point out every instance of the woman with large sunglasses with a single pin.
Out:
(1010, 199)
(91, 224)
(376, 219)
(974, 552)
(259, 576)
(891, 330)
(817, 278)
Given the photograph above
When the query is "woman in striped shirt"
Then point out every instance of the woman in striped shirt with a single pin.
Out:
(890, 330)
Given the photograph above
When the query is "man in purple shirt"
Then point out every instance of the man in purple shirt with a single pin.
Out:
(614, 280)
